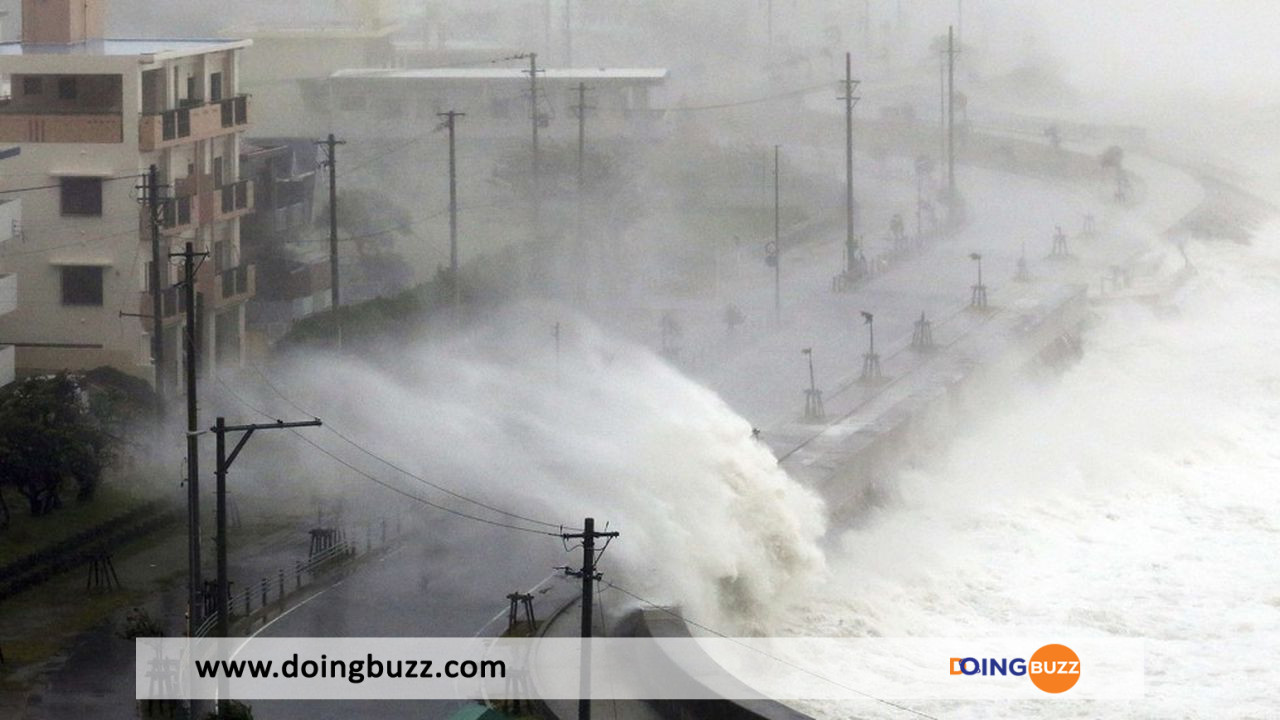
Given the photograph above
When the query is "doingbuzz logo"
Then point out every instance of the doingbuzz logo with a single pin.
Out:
(1053, 668)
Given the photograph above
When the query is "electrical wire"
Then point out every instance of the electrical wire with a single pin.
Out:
(388, 486)
(396, 467)
(775, 658)
(417, 498)
(134, 176)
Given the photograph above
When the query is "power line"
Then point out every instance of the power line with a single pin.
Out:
(58, 184)
(396, 467)
(424, 501)
(389, 464)
(775, 658)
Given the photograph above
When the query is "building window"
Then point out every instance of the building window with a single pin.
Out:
(82, 285)
(82, 196)
(32, 86)
(66, 88)
(215, 86)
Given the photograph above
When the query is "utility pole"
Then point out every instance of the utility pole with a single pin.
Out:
(190, 335)
(589, 575)
(769, 21)
(450, 122)
(331, 162)
(951, 120)
(851, 243)
(157, 309)
(777, 240)
(581, 108)
(220, 430)
(537, 158)
(568, 33)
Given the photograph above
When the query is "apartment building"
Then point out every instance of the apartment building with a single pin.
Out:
(90, 115)
(10, 223)
(281, 239)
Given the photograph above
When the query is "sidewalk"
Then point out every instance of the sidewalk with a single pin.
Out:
(87, 671)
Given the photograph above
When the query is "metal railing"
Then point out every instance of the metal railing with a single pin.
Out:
(175, 123)
(235, 110)
(177, 213)
(277, 590)
(235, 196)
(235, 281)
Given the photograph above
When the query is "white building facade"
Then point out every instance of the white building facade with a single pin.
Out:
(91, 115)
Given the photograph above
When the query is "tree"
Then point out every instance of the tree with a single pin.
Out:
(51, 431)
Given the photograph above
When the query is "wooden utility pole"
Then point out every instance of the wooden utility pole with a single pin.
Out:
(191, 334)
(536, 182)
(777, 239)
(568, 33)
(588, 573)
(951, 120)
(220, 430)
(580, 206)
(331, 162)
(451, 123)
(852, 267)
(158, 261)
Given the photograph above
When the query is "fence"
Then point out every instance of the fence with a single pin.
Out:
(255, 600)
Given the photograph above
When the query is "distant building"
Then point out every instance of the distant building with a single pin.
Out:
(91, 114)
(286, 67)
(403, 103)
(281, 238)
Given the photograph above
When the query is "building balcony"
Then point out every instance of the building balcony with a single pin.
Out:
(10, 219)
(235, 285)
(177, 214)
(8, 293)
(61, 127)
(187, 124)
(234, 200)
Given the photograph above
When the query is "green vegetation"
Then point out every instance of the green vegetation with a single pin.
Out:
(52, 431)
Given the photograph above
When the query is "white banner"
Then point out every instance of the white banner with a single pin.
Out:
(638, 668)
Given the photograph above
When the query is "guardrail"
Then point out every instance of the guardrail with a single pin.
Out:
(255, 600)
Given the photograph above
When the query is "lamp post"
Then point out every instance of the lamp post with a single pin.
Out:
(813, 409)
(871, 360)
(978, 298)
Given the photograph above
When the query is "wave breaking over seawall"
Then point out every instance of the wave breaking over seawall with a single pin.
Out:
(605, 428)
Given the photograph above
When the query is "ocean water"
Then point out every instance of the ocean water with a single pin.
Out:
(1136, 495)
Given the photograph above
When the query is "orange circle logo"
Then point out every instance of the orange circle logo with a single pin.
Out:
(1054, 668)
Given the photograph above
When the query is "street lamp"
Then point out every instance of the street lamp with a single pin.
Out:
(978, 299)
(813, 409)
(870, 360)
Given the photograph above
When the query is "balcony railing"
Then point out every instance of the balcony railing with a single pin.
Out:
(172, 302)
(197, 121)
(178, 213)
(236, 283)
(235, 198)
(235, 111)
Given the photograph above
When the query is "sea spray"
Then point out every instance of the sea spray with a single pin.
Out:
(605, 428)
(1136, 496)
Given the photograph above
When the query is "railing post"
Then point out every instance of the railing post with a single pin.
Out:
(281, 584)
(264, 592)
(297, 573)
(247, 608)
